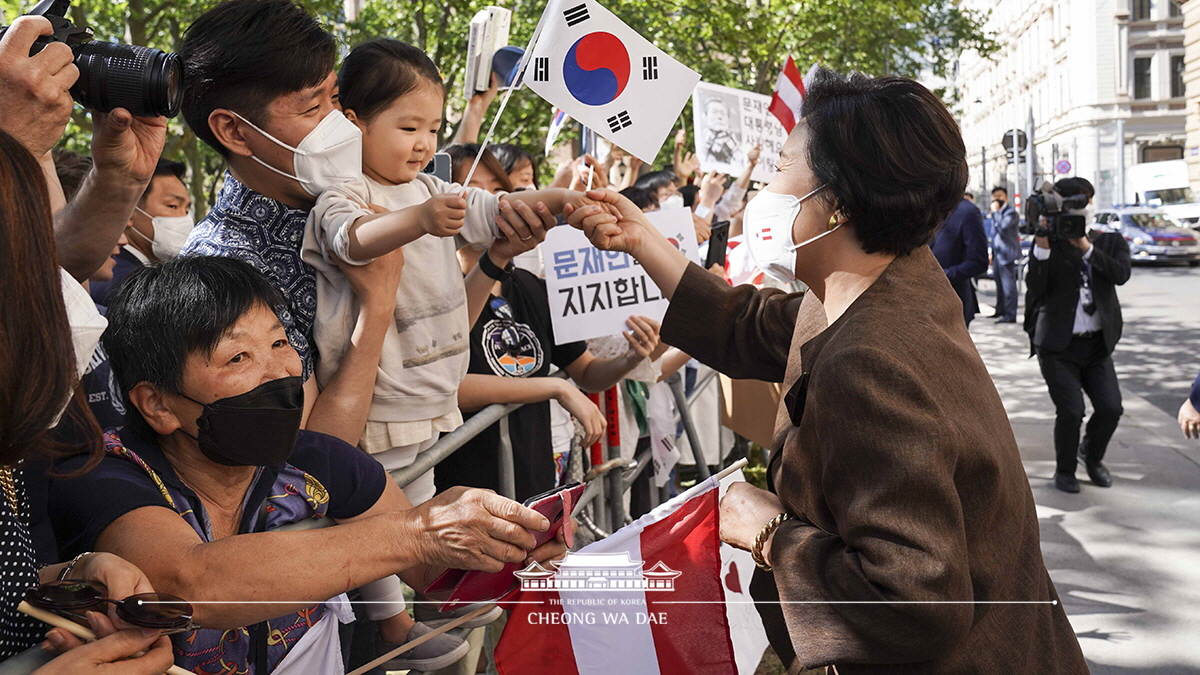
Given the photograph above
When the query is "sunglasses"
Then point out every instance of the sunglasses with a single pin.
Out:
(73, 599)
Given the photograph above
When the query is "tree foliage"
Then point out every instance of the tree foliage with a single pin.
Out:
(738, 43)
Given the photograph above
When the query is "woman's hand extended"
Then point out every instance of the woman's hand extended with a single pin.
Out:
(745, 510)
(612, 224)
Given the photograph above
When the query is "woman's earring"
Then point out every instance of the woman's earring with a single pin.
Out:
(833, 221)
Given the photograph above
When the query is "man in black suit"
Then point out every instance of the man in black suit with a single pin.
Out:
(961, 248)
(1073, 318)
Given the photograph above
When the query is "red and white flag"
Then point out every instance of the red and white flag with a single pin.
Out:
(789, 94)
(649, 599)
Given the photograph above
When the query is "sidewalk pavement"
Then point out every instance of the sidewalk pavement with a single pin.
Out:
(1125, 560)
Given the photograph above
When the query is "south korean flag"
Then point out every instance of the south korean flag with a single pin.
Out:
(602, 73)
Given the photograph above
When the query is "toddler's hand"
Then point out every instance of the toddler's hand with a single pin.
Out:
(443, 214)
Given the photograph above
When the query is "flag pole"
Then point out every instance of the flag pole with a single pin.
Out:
(519, 78)
(731, 468)
(421, 640)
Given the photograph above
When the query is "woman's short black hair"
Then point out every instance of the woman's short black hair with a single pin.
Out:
(891, 154)
(655, 179)
(164, 312)
(379, 71)
(512, 157)
(641, 198)
(243, 54)
(462, 156)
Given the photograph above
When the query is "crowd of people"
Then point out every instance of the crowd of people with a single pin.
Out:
(202, 384)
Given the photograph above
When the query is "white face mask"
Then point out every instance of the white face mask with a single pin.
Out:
(170, 233)
(768, 221)
(331, 154)
(675, 201)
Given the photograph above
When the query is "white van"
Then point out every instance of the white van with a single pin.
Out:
(1165, 186)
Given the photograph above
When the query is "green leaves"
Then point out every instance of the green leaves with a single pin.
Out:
(738, 43)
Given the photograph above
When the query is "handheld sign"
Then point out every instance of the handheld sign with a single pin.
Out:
(593, 292)
(488, 34)
(728, 123)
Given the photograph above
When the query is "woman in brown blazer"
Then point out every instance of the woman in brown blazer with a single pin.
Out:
(900, 534)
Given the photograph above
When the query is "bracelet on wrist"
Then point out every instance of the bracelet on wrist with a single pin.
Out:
(763, 535)
(66, 571)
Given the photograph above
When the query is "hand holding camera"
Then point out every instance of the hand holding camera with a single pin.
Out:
(37, 102)
(105, 76)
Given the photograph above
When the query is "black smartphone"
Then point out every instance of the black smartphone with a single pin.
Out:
(718, 243)
(439, 167)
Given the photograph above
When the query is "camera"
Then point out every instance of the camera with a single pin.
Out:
(1049, 213)
(145, 81)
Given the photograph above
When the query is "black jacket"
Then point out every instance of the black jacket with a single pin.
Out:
(1053, 291)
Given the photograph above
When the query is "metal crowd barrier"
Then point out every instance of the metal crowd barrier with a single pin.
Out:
(605, 489)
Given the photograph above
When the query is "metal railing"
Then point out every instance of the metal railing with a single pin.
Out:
(606, 487)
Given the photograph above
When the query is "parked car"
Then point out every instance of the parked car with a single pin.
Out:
(1153, 236)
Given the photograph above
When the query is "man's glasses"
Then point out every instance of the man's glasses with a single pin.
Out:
(73, 599)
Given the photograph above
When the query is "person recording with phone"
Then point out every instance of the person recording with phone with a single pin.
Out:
(1073, 318)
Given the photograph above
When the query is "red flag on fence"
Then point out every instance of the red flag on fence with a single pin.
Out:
(648, 600)
(789, 94)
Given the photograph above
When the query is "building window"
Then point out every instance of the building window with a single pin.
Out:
(1176, 10)
(1140, 10)
(1177, 85)
(1161, 153)
(1141, 78)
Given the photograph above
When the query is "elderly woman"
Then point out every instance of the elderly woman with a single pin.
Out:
(900, 530)
(213, 460)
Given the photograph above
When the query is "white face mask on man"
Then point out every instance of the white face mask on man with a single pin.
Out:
(331, 154)
(768, 221)
(170, 233)
(675, 201)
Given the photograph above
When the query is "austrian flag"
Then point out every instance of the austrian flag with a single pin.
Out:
(789, 94)
(649, 599)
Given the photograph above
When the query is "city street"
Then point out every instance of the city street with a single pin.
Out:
(1126, 559)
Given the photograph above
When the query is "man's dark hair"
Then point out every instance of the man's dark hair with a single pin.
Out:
(1000, 188)
(243, 54)
(71, 168)
(890, 153)
(641, 198)
(165, 167)
(379, 71)
(1069, 187)
(689, 193)
(512, 157)
(654, 180)
(164, 312)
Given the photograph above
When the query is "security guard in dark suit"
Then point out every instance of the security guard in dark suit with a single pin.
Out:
(1073, 318)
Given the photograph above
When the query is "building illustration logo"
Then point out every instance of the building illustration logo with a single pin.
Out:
(597, 572)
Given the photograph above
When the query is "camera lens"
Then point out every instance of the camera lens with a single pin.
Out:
(143, 80)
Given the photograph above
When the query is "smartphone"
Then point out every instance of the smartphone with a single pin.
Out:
(718, 244)
(440, 167)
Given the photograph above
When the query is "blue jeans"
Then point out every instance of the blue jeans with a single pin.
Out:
(1005, 274)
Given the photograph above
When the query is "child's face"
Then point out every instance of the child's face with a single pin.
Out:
(400, 141)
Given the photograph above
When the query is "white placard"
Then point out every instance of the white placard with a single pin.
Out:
(728, 122)
(593, 292)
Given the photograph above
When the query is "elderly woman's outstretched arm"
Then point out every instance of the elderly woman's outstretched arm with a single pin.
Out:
(743, 332)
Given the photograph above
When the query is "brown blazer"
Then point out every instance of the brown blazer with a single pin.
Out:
(895, 455)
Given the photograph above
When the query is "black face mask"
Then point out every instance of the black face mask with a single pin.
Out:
(257, 428)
